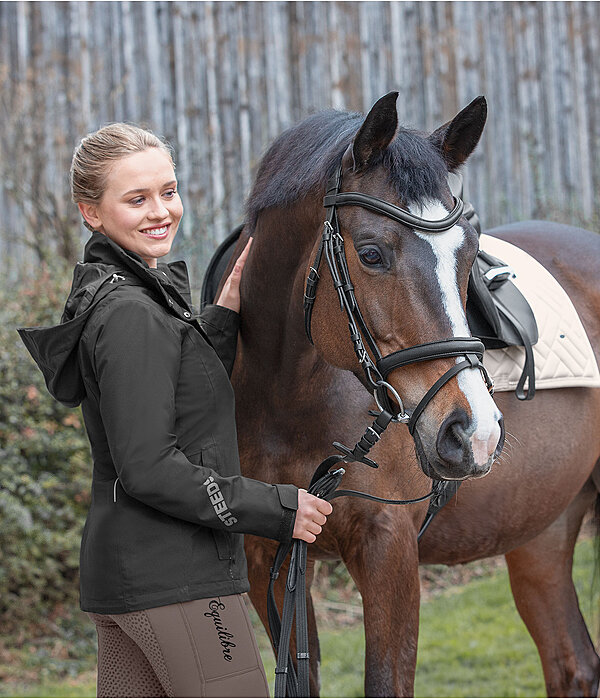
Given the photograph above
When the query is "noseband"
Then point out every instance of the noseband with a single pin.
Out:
(376, 373)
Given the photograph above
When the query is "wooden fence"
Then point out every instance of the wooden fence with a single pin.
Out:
(221, 79)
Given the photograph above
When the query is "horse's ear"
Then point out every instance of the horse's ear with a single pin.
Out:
(456, 139)
(376, 132)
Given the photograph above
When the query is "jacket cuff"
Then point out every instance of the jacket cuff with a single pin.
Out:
(288, 497)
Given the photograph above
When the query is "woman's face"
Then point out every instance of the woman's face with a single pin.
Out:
(140, 209)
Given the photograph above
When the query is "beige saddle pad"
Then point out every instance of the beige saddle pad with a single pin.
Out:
(563, 354)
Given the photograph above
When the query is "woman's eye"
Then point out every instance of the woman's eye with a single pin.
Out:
(170, 193)
(370, 256)
(137, 200)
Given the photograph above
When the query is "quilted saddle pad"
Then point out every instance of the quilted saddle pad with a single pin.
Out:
(563, 354)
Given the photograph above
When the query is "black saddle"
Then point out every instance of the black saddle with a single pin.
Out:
(497, 313)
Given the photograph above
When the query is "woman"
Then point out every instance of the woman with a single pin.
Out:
(162, 564)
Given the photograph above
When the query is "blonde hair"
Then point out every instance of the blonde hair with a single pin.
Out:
(98, 150)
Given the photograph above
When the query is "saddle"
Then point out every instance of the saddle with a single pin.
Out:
(497, 313)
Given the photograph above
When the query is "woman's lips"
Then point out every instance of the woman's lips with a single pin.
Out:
(156, 233)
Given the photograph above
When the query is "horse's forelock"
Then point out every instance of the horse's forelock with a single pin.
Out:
(416, 169)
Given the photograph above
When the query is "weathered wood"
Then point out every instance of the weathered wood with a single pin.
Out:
(221, 80)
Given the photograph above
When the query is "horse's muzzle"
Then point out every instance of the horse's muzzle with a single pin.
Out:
(461, 451)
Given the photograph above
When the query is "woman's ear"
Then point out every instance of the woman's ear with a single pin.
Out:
(90, 214)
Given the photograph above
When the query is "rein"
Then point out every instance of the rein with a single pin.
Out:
(325, 480)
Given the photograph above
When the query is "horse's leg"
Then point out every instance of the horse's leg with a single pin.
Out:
(542, 586)
(386, 572)
(260, 559)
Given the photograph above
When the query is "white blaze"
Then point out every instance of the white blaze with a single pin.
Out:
(445, 246)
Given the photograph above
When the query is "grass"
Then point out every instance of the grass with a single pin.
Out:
(472, 644)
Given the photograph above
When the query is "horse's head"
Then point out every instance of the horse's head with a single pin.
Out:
(411, 285)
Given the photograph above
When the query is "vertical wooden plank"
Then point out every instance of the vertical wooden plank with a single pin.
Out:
(335, 58)
(582, 109)
(368, 93)
(154, 62)
(280, 31)
(271, 71)
(227, 96)
(130, 82)
(592, 62)
(430, 77)
(468, 61)
(216, 165)
(181, 116)
(550, 91)
(523, 94)
(245, 154)
(400, 62)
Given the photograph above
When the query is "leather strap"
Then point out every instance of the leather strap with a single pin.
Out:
(380, 206)
(528, 372)
(451, 347)
(471, 361)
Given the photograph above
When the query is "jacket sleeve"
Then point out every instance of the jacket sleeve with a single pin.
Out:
(137, 354)
(221, 324)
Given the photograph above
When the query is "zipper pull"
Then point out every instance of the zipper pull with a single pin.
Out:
(116, 277)
(115, 490)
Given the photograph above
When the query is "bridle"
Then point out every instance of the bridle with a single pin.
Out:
(376, 373)
(325, 479)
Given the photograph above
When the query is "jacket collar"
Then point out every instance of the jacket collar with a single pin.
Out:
(171, 280)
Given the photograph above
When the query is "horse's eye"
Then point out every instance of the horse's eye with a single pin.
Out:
(370, 256)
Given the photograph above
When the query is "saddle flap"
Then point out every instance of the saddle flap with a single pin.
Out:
(493, 300)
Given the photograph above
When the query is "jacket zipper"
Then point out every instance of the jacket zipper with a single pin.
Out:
(231, 558)
(115, 490)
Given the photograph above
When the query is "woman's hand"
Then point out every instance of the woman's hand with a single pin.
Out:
(311, 516)
(230, 294)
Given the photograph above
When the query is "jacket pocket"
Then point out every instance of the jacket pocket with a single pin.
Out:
(206, 457)
(223, 543)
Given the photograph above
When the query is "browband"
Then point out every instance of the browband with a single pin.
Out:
(403, 216)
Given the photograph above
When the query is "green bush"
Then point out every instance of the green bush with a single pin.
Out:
(44, 467)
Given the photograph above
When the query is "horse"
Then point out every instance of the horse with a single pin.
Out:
(295, 397)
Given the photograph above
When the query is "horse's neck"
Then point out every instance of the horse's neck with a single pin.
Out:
(272, 339)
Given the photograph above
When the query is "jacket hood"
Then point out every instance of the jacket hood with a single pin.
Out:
(105, 267)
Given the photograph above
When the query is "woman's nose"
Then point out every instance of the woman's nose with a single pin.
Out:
(158, 210)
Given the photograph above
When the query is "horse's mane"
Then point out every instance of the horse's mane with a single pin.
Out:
(303, 157)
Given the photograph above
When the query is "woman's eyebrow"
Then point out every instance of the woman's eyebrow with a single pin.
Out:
(145, 189)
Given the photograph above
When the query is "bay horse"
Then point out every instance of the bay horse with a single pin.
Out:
(294, 398)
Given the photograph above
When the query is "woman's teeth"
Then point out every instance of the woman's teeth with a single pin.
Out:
(156, 232)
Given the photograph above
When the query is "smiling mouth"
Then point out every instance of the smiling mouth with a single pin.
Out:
(156, 233)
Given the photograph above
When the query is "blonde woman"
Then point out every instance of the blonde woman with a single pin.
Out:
(162, 563)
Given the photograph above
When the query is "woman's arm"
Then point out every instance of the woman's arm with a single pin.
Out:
(137, 356)
(221, 325)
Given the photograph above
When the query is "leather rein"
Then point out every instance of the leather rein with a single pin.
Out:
(325, 480)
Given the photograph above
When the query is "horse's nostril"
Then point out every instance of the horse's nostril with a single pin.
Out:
(452, 438)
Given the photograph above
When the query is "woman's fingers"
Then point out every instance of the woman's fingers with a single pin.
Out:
(244, 253)
(230, 294)
(311, 516)
(241, 261)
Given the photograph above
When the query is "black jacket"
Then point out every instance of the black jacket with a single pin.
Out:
(168, 502)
